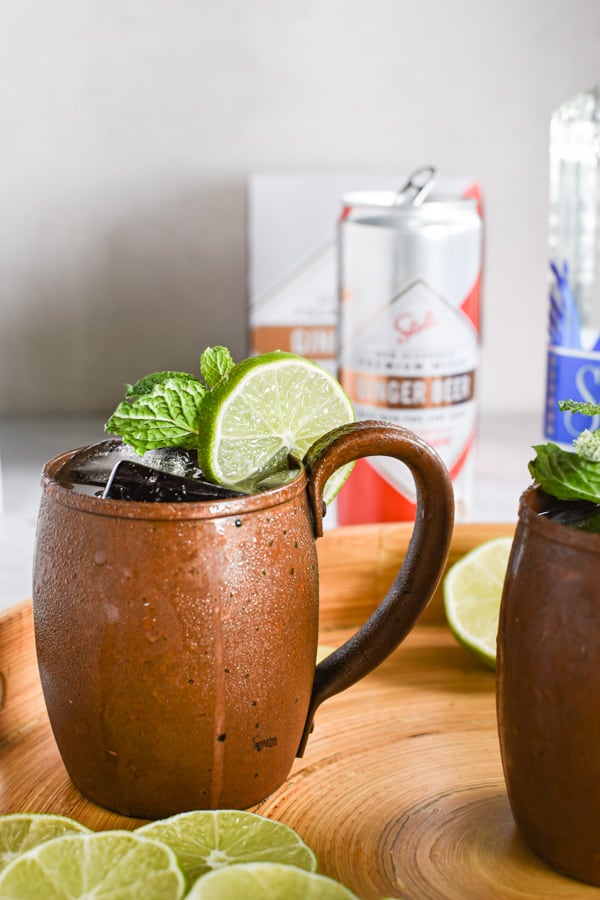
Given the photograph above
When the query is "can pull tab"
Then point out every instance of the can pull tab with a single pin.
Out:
(417, 187)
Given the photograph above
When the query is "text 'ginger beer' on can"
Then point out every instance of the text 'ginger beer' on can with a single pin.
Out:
(408, 335)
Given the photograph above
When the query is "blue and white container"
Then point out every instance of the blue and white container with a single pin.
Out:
(574, 242)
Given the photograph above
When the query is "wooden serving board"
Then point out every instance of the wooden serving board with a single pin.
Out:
(400, 792)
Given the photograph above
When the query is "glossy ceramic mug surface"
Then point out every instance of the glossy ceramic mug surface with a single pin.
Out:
(548, 696)
(176, 642)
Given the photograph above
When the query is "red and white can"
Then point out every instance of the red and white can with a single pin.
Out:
(408, 335)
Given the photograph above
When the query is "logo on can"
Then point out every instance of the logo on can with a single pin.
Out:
(408, 337)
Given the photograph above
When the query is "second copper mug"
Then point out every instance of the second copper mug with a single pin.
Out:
(548, 690)
(176, 642)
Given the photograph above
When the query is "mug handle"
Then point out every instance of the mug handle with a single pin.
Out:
(424, 561)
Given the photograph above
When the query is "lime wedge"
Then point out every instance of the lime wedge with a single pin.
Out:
(267, 881)
(20, 832)
(209, 839)
(472, 595)
(119, 865)
(270, 406)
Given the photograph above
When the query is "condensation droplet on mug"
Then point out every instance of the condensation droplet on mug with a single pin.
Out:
(152, 632)
(152, 635)
(100, 557)
(112, 613)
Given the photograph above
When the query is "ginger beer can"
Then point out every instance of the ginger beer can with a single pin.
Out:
(409, 272)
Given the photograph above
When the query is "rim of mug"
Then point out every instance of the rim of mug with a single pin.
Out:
(533, 501)
(160, 510)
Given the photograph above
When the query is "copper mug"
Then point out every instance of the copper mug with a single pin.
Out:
(548, 688)
(176, 642)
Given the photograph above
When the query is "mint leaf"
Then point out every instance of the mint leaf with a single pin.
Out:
(586, 409)
(565, 475)
(215, 364)
(146, 384)
(164, 409)
(167, 416)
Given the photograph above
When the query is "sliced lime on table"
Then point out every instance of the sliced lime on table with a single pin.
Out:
(472, 595)
(20, 832)
(209, 839)
(270, 406)
(267, 881)
(119, 865)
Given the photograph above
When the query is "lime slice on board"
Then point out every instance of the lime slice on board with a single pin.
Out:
(270, 406)
(20, 832)
(209, 839)
(472, 595)
(267, 881)
(119, 865)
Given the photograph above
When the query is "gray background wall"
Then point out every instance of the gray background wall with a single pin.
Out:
(128, 129)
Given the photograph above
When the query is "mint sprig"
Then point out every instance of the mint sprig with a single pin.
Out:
(164, 409)
(570, 474)
(167, 416)
(565, 475)
(215, 364)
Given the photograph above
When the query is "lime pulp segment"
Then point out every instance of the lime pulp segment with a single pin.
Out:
(204, 840)
(267, 881)
(120, 865)
(472, 596)
(20, 832)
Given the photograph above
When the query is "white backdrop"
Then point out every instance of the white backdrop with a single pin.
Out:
(129, 127)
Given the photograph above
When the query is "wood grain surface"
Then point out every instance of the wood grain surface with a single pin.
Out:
(400, 792)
